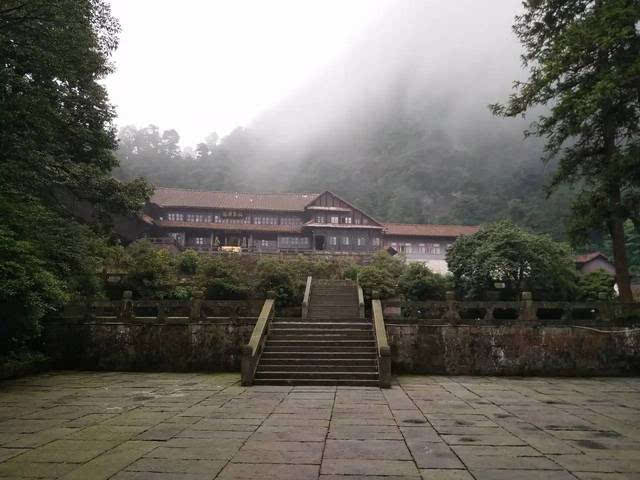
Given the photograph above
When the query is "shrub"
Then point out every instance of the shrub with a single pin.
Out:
(188, 262)
(418, 282)
(150, 272)
(223, 279)
(593, 284)
(375, 279)
(275, 276)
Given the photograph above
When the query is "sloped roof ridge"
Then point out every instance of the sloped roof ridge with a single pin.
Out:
(197, 190)
(430, 224)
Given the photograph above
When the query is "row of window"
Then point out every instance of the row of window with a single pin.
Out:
(294, 242)
(360, 241)
(336, 219)
(424, 248)
(236, 219)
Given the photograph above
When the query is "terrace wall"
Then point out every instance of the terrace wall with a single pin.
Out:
(450, 338)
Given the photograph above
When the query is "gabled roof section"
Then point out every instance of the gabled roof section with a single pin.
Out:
(177, 197)
(319, 197)
(419, 230)
(588, 257)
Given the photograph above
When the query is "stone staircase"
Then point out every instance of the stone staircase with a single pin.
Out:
(332, 346)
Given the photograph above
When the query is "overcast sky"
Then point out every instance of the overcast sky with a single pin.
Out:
(210, 65)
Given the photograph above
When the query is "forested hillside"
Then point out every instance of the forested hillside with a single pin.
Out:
(399, 125)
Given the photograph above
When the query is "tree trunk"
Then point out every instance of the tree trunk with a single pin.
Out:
(620, 260)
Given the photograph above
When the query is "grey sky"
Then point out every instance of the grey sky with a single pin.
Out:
(211, 65)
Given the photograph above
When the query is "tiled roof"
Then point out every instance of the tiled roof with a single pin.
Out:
(418, 230)
(587, 257)
(246, 227)
(176, 197)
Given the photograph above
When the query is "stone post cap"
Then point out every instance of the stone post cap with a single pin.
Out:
(271, 294)
(527, 296)
(450, 295)
(375, 295)
(127, 295)
(198, 294)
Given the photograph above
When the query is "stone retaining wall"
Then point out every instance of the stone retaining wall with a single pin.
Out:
(541, 338)
(420, 347)
(177, 345)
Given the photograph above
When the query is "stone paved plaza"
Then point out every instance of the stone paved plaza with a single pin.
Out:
(139, 426)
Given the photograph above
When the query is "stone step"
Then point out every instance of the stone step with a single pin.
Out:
(308, 325)
(294, 337)
(345, 320)
(314, 374)
(335, 330)
(301, 355)
(312, 367)
(322, 343)
(321, 362)
(319, 348)
(317, 381)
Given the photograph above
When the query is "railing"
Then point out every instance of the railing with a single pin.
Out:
(360, 302)
(384, 352)
(251, 352)
(305, 300)
(526, 311)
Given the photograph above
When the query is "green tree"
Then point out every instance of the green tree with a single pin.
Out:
(595, 285)
(503, 252)
(418, 282)
(584, 63)
(57, 194)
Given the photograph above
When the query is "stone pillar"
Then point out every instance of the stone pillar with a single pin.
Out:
(196, 305)
(527, 312)
(126, 307)
(451, 314)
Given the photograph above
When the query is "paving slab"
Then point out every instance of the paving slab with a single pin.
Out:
(170, 426)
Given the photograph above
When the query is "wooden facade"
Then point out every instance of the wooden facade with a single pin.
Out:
(304, 222)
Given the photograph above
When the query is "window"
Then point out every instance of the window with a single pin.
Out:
(357, 221)
(347, 219)
(265, 220)
(362, 241)
(290, 221)
(333, 240)
(335, 219)
(319, 219)
(267, 243)
(376, 241)
(201, 241)
(175, 217)
(408, 248)
(434, 249)
(422, 248)
(345, 240)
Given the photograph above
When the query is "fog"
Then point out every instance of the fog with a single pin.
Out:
(397, 122)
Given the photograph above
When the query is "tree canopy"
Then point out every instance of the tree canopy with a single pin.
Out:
(504, 253)
(57, 194)
(583, 58)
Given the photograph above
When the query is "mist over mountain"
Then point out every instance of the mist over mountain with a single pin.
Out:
(399, 125)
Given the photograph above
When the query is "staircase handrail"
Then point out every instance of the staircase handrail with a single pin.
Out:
(305, 300)
(251, 351)
(384, 352)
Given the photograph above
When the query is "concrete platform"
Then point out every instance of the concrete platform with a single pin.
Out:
(166, 426)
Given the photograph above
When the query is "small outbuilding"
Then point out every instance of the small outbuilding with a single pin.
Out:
(592, 262)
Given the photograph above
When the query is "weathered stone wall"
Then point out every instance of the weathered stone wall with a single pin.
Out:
(181, 345)
(420, 347)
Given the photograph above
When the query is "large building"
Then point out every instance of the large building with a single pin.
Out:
(305, 222)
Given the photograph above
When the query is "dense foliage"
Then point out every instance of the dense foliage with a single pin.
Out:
(57, 196)
(583, 58)
(596, 286)
(521, 261)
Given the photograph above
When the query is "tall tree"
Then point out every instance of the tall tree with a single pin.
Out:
(57, 194)
(583, 58)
